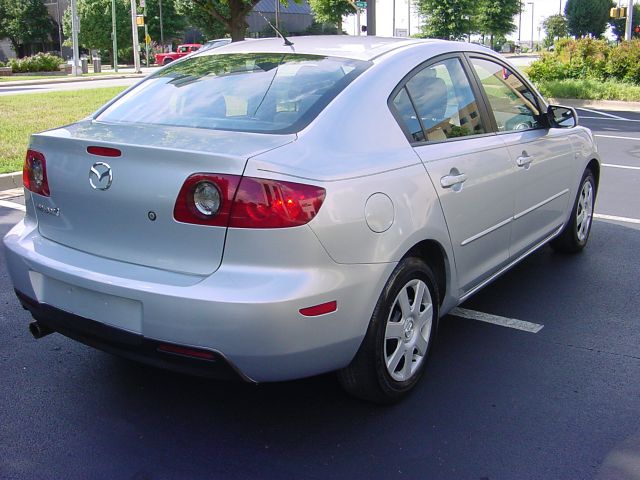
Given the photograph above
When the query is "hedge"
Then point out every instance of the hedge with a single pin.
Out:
(41, 62)
(587, 58)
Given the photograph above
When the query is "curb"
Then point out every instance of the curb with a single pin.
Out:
(45, 81)
(611, 105)
(10, 180)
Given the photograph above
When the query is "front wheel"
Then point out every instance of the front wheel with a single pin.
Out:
(395, 350)
(575, 234)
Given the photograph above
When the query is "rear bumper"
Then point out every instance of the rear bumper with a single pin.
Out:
(129, 345)
(247, 315)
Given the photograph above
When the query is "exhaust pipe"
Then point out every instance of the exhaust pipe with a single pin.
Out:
(38, 330)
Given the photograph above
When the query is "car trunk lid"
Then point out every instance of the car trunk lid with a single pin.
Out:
(132, 220)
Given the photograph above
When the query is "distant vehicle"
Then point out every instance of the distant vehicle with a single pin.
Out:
(183, 51)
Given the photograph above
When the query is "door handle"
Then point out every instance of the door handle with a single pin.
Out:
(449, 181)
(524, 161)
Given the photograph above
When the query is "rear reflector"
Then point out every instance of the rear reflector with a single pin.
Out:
(321, 309)
(186, 351)
(34, 173)
(104, 151)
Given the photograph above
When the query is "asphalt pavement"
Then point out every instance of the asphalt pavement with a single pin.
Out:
(496, 403)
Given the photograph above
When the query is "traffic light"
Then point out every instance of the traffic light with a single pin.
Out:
(618, 12)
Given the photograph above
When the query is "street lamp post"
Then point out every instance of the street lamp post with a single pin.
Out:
(531, 3)
(114, 35)
(74, 38)
(629, 26)
(134, 33)
(161, 30)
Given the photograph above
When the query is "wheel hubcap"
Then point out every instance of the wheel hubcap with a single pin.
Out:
(584, 212)
(408, 330)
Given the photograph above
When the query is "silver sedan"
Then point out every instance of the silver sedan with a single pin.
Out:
(271, 212)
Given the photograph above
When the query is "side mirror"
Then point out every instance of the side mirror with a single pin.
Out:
(562, 117)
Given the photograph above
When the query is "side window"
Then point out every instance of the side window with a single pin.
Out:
(445, 104)
(513, 104)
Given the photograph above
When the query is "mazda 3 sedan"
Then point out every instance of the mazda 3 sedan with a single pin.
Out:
(272, 212)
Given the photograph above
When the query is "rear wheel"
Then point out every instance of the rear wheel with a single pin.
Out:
(167, 61)
(575, 235)
(395, 350)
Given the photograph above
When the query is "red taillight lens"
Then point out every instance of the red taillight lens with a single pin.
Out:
(246, 202)
(34, 173)
(262, 203)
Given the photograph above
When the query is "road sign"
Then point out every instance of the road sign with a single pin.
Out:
(140, 20)
(147, 39)
(361, 4)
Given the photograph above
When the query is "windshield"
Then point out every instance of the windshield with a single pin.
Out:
(255, 92)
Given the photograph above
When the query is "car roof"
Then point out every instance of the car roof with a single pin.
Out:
(345, 46)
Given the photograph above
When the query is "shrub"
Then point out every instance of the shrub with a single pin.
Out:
(587, 58)
(41, 62)
(624, 62)
(2, 64)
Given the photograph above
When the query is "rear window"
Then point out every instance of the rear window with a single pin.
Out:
(258, 92)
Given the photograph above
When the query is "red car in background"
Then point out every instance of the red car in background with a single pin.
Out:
(183, 50)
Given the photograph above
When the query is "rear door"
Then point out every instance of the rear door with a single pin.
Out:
(467, 163)
(543, 156)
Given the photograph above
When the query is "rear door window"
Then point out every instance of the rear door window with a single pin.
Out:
(438, 103)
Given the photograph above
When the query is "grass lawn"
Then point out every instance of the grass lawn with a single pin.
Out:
(25, 78)
(589, 90)
(22, 115)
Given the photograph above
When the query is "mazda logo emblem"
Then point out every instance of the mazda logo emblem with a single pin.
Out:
(100, 176)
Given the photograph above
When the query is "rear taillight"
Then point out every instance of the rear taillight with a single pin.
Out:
(246, 202)
(262, 203)
(34, 173)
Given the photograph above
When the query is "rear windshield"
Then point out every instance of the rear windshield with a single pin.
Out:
(251, 92)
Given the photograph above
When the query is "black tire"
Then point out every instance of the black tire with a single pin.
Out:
(367, 377)
(572, 239)
(167, 61)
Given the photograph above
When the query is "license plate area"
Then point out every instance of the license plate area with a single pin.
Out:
(112, 310)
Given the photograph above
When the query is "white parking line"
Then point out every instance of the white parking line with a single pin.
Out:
(15, 206)
(617, 219)
(616, 136)
(617, 117)
(496, 320)
(627, 167)
(611, 119)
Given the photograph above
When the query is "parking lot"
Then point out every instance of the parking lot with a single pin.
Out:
(496, 403)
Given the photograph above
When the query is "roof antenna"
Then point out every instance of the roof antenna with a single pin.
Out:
(287, 42)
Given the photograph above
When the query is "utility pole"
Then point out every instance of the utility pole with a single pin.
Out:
(134, 34)
(629, 27)
(114, 35)
(408, 18)
(393, 20)
(531, 3)
(74, 38)
(59, 22)
(161, 31)
(371, 17)
(143, 4)
(519, 23)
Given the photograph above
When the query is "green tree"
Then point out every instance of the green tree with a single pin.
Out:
(197, 15)
(618, 25)
(173, 23)
(231, 14)
(448, 19)
(95, 24)
(332, 11)
(24, 22)
(495, 17)
(555, 27)
(587, 17)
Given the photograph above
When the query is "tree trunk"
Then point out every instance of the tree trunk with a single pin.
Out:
(236, 29)
(339, 25)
